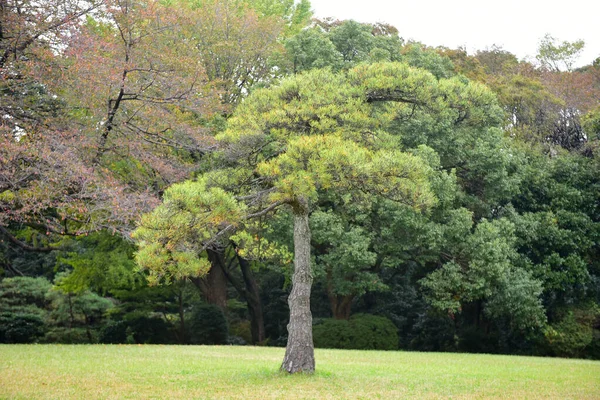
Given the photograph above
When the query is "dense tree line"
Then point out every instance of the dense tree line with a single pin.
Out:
(173, 172)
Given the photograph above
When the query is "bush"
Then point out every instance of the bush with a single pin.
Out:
(114, 332)
(206, 324)
(22, 313)
(434, 331)
(333, 334)
(361, 332)
(148, 330)
(20, 327)
(593, 350)
(138, 328)
(70, 336)
(241, 331)
(569, 337)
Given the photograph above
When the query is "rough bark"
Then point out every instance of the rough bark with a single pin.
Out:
(299, 353)
(214, 285)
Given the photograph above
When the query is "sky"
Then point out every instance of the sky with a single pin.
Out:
(515, 25)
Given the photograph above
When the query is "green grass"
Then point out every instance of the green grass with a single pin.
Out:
(203, 372)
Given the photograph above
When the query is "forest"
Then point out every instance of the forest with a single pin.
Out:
(231, 172)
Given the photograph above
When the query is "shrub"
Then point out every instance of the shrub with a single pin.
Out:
(333, 334)
(242, 331)
(148, 330)
(360, 332)
(22, 312)
(20, 327)
(137, 327)
(206, 324)
(476, 340)
(114, 332)
(70, 336)
(569, 337)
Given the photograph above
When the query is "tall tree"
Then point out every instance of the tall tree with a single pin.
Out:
(311, 134)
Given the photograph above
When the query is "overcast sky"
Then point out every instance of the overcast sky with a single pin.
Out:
(516, 25)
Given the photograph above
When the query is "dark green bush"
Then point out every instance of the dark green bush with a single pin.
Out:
(360, 332)
(242, 331)
(569, 337)
(70, 336)
(206, 324)
(148, 330)
(333, 334)
(22, 313)
(114, 332)
(477, 340)
(138, 327)
(20, 327)
(593, 350)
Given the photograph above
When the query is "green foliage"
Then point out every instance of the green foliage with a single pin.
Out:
(206, 324)
(75, 318)
(21, 326)
(66, 335)
(23, 292)
(418, 56)
(296, 14)
(484, 270)
(138, 328)
(311, 48)
(518, 300)
(341, 46)
(573, 334)
(150, 314)
(558, 56)
(591, 124)
(241, 329)
(524, 99)
(100, 262)
(32, 309)
(302, 137)
(170, 238)
(357, 43)
(456, 194)
(496, 61)
(343, 255)
(361, 332)
(23, 309)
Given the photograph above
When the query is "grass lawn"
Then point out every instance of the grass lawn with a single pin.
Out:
(228, 372)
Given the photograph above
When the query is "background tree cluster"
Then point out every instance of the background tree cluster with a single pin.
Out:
(452, 199)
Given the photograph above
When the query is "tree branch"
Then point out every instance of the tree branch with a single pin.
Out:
(25, 246)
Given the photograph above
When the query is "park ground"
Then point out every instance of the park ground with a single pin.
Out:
(230, 372)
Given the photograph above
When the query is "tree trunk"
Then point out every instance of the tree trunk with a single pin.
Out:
(299, 353)
(88, 332)
(71, 313)
(340, 305)
(252, 295)
(181, 316)
(214, 285)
